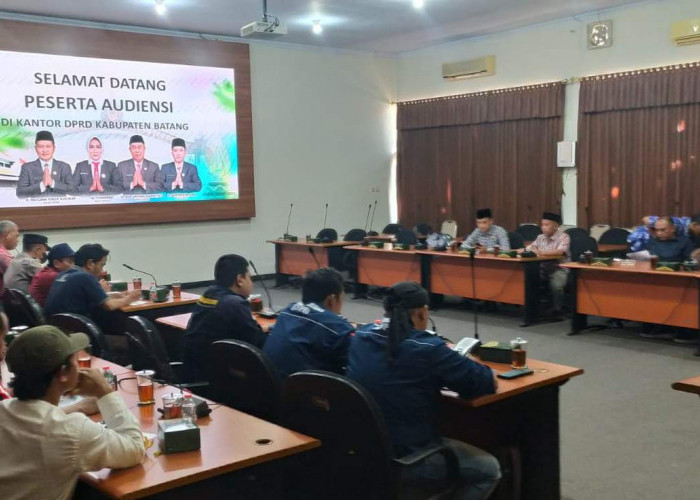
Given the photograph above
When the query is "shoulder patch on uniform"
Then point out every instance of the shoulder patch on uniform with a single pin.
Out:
(205, 301)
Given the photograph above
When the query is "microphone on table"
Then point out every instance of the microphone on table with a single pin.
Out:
(325, 216)
(369, 209)
(372, 221)
(287, 236)
(269, 312)
(471, 344)
(313, 254)
(155, 281)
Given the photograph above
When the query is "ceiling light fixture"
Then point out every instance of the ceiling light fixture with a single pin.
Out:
(316, 27)
(160, 7)
(418, 4)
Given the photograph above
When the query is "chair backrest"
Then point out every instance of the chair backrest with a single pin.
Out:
(516, 240)
(577, 232)
(583, 244)
(449, 226)
(146, 348)
(355, 235)
(391, 229)
(529, 232)
(598, 229)
(328, 233)
(71, 323)
(406, 237)
(355, 459)
(22, 309)
(241, 376)
(614, 236)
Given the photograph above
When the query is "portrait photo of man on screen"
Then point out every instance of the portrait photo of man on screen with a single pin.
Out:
(180, 175)
(45, 176)
(139, 175)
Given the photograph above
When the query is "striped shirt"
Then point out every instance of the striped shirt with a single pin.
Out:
(496, 235)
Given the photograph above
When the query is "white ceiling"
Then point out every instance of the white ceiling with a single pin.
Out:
(388, 26)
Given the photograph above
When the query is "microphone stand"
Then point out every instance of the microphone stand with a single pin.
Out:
(311, 251)
(142, 272)
(270, 312)
(472, 255)
(369, 209)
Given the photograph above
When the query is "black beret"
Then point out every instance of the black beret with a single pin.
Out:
(44, 135)
(552, 216)
(136, 139)
(32, 239)
(178, 142)
(483, 213)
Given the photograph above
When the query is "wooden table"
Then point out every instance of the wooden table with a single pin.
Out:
(379, 267)
(139, 306)
(635, 293)
(691, 385)
(171, 329)
(230, 442)
(295, 258)
(524, 414)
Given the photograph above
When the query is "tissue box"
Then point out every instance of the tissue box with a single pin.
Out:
(496, 352)
(118, 286)
(177, 435)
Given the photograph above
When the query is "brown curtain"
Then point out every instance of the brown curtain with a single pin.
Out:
(491, 149)
(639, 142)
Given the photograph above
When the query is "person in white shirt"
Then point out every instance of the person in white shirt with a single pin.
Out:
(45, 449)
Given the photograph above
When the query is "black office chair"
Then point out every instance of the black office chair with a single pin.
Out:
(406, 237)
(614, 236)
(577, 232)
(147, 351)
(242, 377)
(355, 235)
(328, 234)
(356, 458)
(22, 309)
(71, 323)
(516, 241)
(529, 232)
(581, 245)
(423, 229)
(391, 229)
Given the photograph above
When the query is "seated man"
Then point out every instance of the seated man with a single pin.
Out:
(310, 335)
(222, 312)
(487, 234)
(694, 235)
(404, 368)
(22, 269)
(45, 449)
(77, 289)
(640, 237)
(553, 242)
(61, 257)
(667, 243)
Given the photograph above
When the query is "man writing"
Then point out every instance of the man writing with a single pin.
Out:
(487, 234)
(45, 175)
(180, 175)
(60, 258)
(667, 244)
(138, 174)
(22, 269)
(45, 449)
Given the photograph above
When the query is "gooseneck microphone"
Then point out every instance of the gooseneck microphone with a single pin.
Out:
(142, 272)
(311, 251)
(270, 312)
(373, 212)
(325, 216)
(289, 218)
(369, 209)
(472, 257)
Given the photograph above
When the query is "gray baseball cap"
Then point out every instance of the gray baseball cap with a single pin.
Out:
(42, 349)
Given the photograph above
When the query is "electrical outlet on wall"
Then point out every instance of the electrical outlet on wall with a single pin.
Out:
(374, 189)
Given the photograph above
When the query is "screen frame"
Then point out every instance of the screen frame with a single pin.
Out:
(50, 39)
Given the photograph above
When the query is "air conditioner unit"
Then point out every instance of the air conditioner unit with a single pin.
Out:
(686, 32)
(474, 68)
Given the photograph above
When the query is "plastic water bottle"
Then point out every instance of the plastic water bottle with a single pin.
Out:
(153, 292)
(189, 411)
(110, 377)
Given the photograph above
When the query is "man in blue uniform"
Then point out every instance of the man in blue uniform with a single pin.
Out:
(404, 368)
(222, 312)
(310, 335)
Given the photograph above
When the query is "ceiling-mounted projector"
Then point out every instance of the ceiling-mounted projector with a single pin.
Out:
(263, 29)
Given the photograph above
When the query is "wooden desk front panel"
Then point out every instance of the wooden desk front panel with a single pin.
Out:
(496, 280)
(384, 268)
(296, 259)
(646, 297)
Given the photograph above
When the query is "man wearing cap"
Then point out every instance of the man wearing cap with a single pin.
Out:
(138, 174)
(60, 259)
(180, 175)
(45, 449)
(487, 234)
(22, 269)
(45, 175)
(553, 242)
(9, 237)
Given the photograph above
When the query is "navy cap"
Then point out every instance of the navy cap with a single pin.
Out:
(61, 251)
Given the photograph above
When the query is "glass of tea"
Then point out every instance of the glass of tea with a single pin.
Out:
(176, 287)
(84, 360)
(518, 358)
(172, 406)
(144, 382)
(136, 280)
